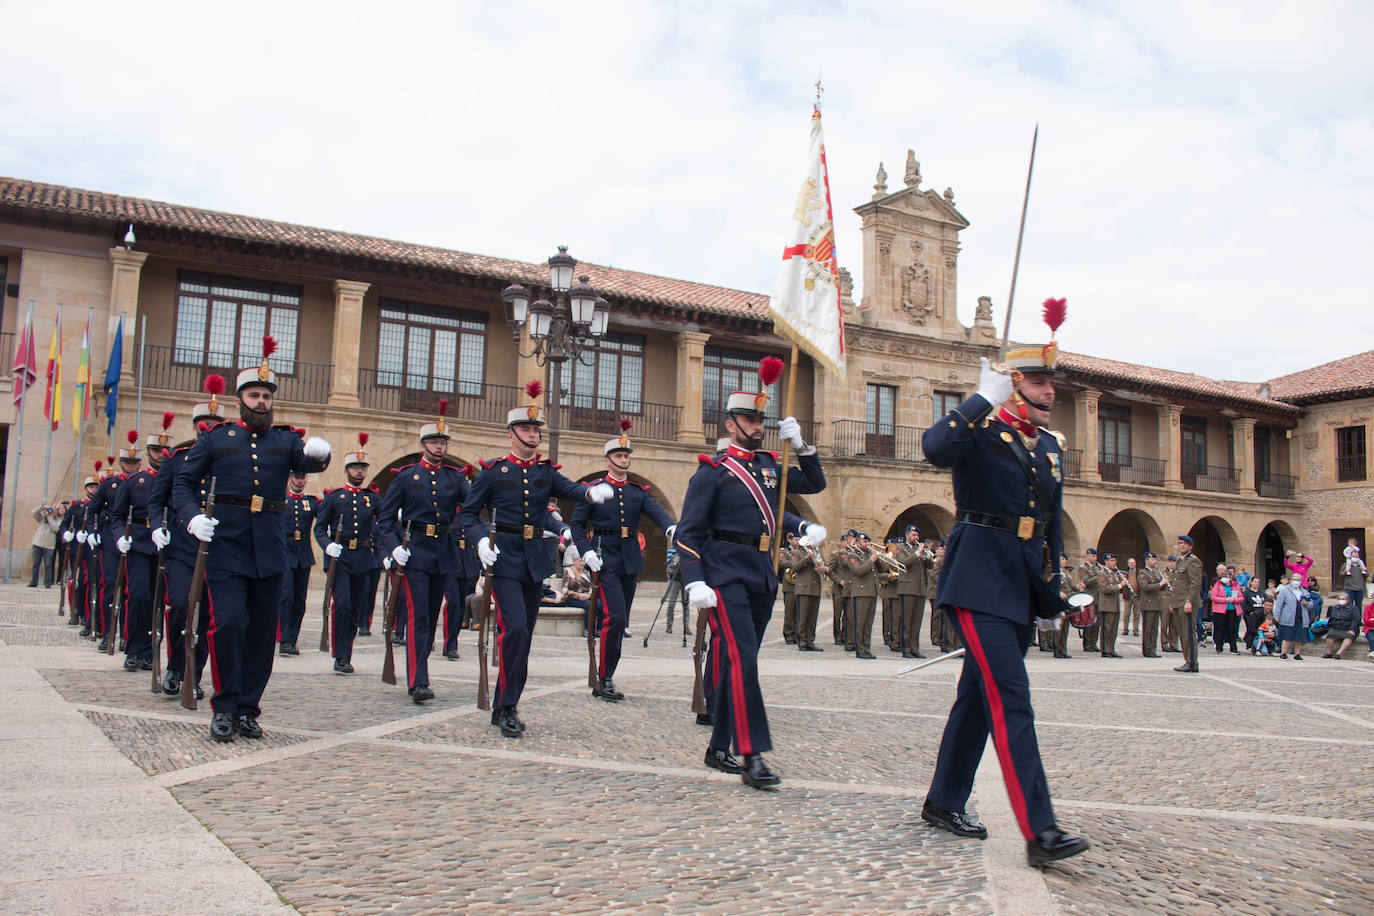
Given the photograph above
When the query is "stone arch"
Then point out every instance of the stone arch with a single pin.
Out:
(1215, 541)
(798, 506)
(1130, 533)
(1073, 545)
(1274, 539)
(655, 544)
(934, 521)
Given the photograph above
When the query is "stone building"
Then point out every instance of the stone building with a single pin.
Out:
(373, 333)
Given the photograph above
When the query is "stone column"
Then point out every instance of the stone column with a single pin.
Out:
(1171, 445)
(1243, 435)
(125, 269)
(348, 335)
(691, 354)
(1085, 421)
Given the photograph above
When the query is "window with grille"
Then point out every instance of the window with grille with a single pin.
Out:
(609, 376)
(1263, 468)
(430, 349)
(1193, 432)
(1350, 453)
(945, 401)
(728, 371)
(1113, 434)
(221, 321)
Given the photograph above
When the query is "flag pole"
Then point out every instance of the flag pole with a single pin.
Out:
(81, 418)
(56, 399)
(18, 448)
(142, 353)
(786, 453)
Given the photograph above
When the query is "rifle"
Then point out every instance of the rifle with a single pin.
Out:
(698, 654)
(329, 590)
(64, 563)
(92, 581)
(483, 628)
(120, 578)
(158, 595)
(389, 615)
(591, 623)
(188, 671)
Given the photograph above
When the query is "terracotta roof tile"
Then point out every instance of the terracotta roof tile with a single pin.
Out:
(1097, 370)
(1352, 376)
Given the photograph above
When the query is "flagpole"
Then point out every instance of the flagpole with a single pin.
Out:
(81, 415)
(142, 353)
(786, 449)
(18, 447)
(56, 399)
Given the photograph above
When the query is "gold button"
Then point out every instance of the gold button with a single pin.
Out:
(255, 483)
(1032, 504)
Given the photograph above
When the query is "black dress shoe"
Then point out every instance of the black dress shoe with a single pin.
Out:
(956, 822)
(342, 667)
(364, 631)
(103, 645)
(85, 632)
(200, 694)
(722, 760)
(1054, 844)
(145, 664)
(247, 726)
(131, 663)
(1060, 653)
(451, 655)
(398, 639)
(705, 718)
(222, 727)
(811, 647)
(1186, 668)
(420, 695)
(171, 684)
(786, 639)
(1153, 655)
(865, 655)
(509, 723)
(289, 648)
(755, 772)
(605, 689)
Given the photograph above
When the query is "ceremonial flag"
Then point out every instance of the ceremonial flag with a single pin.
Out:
(52, 401)
(112, 370)
(806, 295)
(81, 401)
(25, 362)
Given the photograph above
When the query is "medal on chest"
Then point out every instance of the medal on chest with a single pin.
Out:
(770, 477)
(1054, 466)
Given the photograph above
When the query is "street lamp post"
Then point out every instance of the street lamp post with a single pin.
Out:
(560, 330)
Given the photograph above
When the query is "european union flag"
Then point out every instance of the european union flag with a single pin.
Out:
(112, 377)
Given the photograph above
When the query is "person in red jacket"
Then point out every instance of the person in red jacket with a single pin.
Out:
(1227, 605)
(1368, 628)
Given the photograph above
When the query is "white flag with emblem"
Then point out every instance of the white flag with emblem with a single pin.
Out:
(806, 297)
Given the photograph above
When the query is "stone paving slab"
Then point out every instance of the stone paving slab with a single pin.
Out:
(161, 747)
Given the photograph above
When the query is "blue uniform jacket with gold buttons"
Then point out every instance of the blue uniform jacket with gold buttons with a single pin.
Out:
(425, 498)
(354, 512)
(515, 493)
(100, 509)
(604, 525)
(183, 545)
(718, 501)
(245, 463)
(135, 492)
(989, 569)
(299, 521)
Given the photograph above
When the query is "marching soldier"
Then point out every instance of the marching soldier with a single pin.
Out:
(863, 596)
(249, 462)
(607, 534)
(807, 569)
(374, 579)
(1109, 588)
(1008, 484)
(104, 537)
(136, 544)
(911, 590)
(74, 533)
(344, 528)
(462, 584)
(299, 519)
(514, 490)
(423, 500)
(1187, 587)
(1152, 601)
(725, 539)
(1086, 580)
(789, 592)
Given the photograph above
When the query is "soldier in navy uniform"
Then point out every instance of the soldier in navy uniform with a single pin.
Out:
(724, 539)
(998, 582)
(136, 544)
(607, 535)
(179, 549)
(461, 584)
(515, 490)
(423, 499)
(103, 537)
(74, 532)
(345, 527)
(249, 461)
(299, 522)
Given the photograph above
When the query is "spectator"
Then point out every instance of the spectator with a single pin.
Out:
(577, 587)
(1291, 613)
(1254, 602)
(1298, 564)
(1369, 626)
(1243, 578)
(1343, 629)
(49, 519)
(1356, 575)
(1227, 606)
(1267, 643)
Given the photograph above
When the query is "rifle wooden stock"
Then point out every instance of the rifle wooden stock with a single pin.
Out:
(483, 630)
(188, 670)
(120, 578)
(92, 589)
(698, 659)
(63, 568)
(158, 593)
(389, 614)
(329, 592)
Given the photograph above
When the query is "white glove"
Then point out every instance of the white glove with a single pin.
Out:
(592, 560)
(401, 556)
(80, 536)
(556, 516)
(68, 537)
(669, 532)
(813, 535)
(202, 527)
(565, 534)
(790, 430)
(600, 493)
(93, 539)
(124, 543)
(993, 385)
(316, 448)
(334, 549)
(487, 553)
(700, 595)
(386, 562)
(161, 538)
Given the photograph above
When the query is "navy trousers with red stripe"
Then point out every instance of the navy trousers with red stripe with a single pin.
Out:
(243, 636)
(737, 625)
(422, 595)
(616, 593)
(138, 641)
(517, 609)
(993, 697)
(294, 586)
(350, 605)
(177, 589)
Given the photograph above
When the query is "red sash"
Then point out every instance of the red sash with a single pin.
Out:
(756, 491)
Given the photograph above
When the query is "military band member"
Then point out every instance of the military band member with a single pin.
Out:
(1167, 622)
(1130, 599)
(1086, 579)
(911, 590)
(725, 538)
(1109, 589)
(1152, 601)
(249, 461)
(1008, 485)
(345, 528)
(423, 499)
(607, 534)
(135, 543)
(887, 596)
(839, 592)
(1059, 637)
(299, 519)
(1183, 601)
(808, 568)
(862, 571)
(787, 586)
(515, 490)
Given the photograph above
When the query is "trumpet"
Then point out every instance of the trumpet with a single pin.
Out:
(893, 564)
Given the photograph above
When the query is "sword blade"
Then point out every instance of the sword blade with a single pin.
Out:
(1016, 262)
(930, 661)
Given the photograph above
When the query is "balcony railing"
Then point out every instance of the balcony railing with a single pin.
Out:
(1348, 467)
(1073, 462)
(1212, 479)
(651, 421)
(712, 431)
(491, 405)
(1278, 486)
(894, 443)
(307, 383)
(1148, 472)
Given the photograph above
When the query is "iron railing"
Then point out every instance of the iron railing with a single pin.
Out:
(1277, 486)
(490, 404)
(650, 420)
(894, 443)
(307, 383)
(1350, 467)
(1148, 472)
(1073, 462)
(1212, 479)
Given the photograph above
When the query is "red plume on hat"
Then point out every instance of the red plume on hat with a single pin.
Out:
(167, 418)
(132, 436)
(362, 439)
(214, 384)
(625, 424)
(443, 406)
(269, 346)
(98, 465)
(469, 471)
(110, 460)
(1055, 310)
(770, 370)
(534, 388)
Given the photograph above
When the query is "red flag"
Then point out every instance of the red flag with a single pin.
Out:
(25, 366)
(52, 401)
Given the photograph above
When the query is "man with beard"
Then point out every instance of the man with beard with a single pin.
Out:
(345, 527)
(249, 462)
(140, 553)
(300, 514)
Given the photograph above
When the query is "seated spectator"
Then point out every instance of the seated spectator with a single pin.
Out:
(1343, 627)
(1267, 643)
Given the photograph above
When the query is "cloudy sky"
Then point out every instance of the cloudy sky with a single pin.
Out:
(1202, 192)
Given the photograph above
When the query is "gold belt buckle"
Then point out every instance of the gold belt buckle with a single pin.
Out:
(462, 543)
(429, 531)
(624, 532)
(765, 543)
(255, 504)
(528, 533)
(1026, 528)
(295, 535)
(353, 544)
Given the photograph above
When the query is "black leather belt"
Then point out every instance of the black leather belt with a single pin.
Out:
(528, 532)
(616, 532)
(1022, 526)
(760, 541)
(358, 543)
(430, 531)
(251, 503)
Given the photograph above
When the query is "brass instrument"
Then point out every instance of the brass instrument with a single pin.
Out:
(895, 567)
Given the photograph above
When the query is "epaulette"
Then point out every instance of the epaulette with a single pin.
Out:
(1058, 437)
(643, 487)
(404, 467)
(374, 487)
(210, 427)
(328, 490)
(289, 428)
(712, 460)
(550, 463)
(774, 454)
(489, 464)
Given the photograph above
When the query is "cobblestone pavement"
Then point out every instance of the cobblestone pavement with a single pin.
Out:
(1243, 789)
